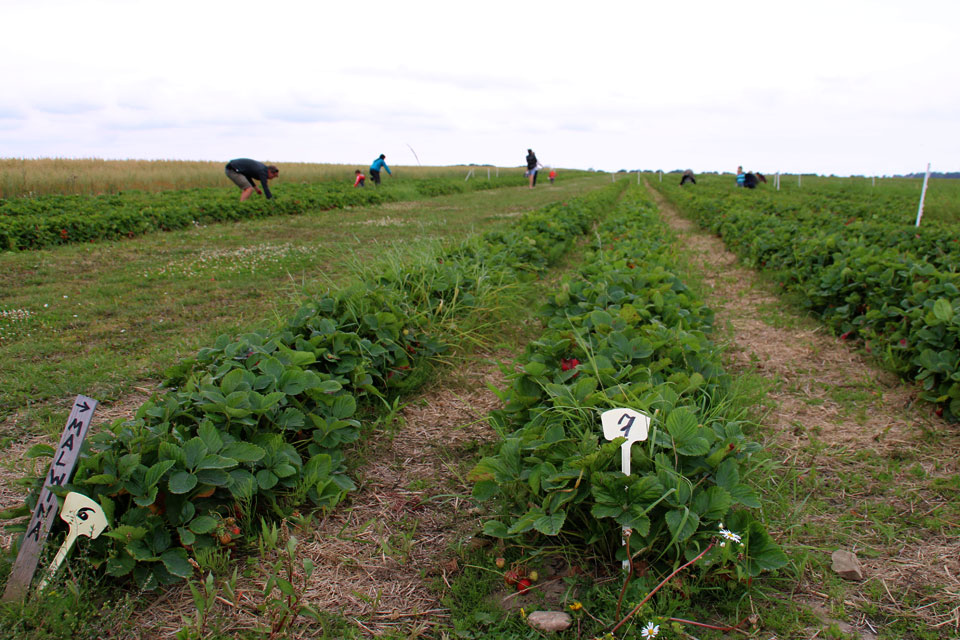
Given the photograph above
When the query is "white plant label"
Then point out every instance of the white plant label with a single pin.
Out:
(632, 425)
(626, 423)
(85, 518)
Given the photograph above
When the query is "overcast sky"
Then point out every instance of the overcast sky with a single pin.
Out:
(820, 86)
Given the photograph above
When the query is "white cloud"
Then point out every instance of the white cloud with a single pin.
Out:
(853, 87)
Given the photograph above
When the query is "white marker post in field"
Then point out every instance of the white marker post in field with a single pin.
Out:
(923, 194)
(632, 425)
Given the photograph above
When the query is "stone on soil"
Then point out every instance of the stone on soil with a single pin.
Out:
(847, 565)
(549, 620)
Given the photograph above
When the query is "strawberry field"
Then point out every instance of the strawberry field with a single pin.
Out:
(219, 476)
(44, 221)
(861, 266)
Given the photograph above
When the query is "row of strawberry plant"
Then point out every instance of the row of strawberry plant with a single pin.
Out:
(626, 332)
(902, 301)
(44, 221)
(256, 425)
(880, 218)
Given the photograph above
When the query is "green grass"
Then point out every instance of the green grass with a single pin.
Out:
(105, 318)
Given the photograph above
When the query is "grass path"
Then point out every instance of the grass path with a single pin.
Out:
(862, 466)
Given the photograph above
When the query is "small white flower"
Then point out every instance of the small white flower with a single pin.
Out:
(45, 306)
(650, 631)
(730, 535)
(723, 544)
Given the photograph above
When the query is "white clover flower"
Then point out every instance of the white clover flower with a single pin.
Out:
(729, 535)
(650, 631)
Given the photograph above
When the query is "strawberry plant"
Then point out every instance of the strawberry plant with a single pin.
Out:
(870, 274)
(44, 221)
(256, 425)
(638, 337)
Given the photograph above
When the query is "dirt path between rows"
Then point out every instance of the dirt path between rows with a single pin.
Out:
(849, 435)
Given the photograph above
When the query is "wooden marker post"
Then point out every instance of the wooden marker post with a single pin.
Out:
(61, 468)
(629, 424)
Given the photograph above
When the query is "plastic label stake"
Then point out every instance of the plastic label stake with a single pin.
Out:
(632, 425)
(85, 518)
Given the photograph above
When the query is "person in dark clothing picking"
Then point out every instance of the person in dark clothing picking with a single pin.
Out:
(243, 171)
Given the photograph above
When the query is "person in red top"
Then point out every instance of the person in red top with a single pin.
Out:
(360, 179)
(552, 175)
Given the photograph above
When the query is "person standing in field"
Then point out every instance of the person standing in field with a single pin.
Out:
(741, 176)
(532, 165)
(243, 171)
(360, 179)
(375, 169)
(552, 175)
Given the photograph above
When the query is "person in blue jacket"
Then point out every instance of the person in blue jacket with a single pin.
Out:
(741, 176)
(375, 169)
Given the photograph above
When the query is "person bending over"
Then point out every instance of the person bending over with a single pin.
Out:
(243, 172)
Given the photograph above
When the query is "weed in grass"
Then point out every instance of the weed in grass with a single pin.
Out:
(215, 560)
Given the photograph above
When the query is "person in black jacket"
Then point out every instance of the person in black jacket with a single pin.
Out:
(687, 177)
(243, 171)
(532, 167)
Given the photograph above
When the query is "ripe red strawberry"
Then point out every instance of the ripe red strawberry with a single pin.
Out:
(523, 584)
